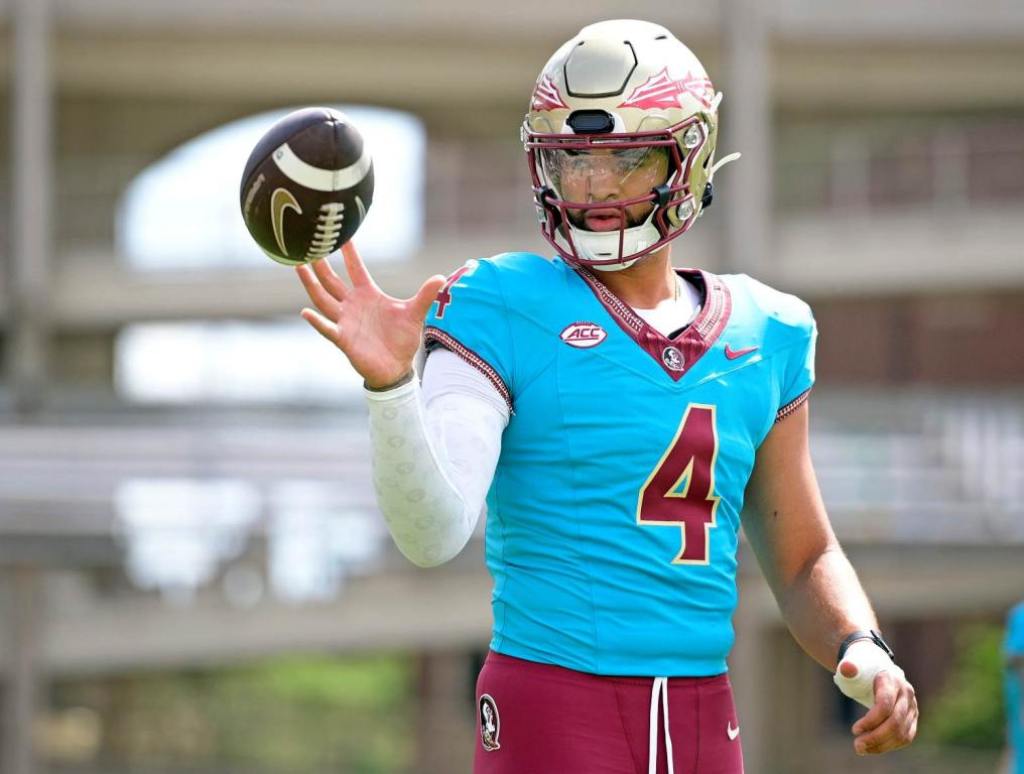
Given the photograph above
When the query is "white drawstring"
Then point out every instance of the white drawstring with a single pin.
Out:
(659, 690)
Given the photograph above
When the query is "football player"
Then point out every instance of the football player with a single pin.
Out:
(615, 413)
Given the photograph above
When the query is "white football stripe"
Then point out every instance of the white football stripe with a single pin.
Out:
(317, 179)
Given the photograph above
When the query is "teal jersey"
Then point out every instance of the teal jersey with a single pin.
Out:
(613, 515)
(1013, 649)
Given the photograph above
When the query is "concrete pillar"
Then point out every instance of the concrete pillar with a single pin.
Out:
(22, 621)
(796, 703)
(747, 672)
(776, 686)
(445, 719)
(850, 174)
(746, 126)
(31, 211)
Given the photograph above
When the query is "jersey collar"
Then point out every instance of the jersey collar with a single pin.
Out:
(677, 355)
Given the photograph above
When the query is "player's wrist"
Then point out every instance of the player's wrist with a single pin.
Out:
(862, 661)
(385, 385)
(865, 635)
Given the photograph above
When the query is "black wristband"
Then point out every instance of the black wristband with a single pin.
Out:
(872, 635)
(404, 380)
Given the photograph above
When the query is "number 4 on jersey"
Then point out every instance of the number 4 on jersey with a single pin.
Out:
(444, 295)
(681, 488)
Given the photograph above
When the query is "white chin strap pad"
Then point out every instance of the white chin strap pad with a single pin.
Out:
(870, 660)
(604, 245)
(614, 266)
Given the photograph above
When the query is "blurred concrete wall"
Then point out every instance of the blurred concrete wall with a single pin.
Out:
(885, 147)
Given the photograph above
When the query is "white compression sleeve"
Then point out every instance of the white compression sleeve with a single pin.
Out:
(433, 459)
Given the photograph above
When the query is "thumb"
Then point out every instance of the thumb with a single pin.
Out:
(426, 295)
(855, 676)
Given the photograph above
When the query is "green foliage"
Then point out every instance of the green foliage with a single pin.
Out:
(970, 711)
(296, 715)
(308, 713)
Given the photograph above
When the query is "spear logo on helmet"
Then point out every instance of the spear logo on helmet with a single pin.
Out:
(546, 96)
(661, 91)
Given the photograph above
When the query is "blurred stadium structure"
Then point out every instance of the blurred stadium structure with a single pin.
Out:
(882, 179)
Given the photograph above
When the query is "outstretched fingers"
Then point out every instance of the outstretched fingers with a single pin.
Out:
(323, 326)
(330, 281)
(328, 303)
(355, 267)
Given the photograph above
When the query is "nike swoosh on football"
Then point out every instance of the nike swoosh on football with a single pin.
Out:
(282, 199)
(732, 732)
(733, 354)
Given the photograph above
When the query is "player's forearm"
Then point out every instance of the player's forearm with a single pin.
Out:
(428, 516)
(825, 602)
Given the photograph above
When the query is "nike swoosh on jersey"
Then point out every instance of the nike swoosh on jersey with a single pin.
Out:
(733, 354)
(732, 732)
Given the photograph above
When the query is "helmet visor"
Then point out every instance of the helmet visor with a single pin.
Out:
(605, 189)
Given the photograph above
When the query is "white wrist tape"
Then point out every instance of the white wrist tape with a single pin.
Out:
(870, 660)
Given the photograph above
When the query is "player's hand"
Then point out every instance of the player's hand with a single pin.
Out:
(869, 676)
(378, 333)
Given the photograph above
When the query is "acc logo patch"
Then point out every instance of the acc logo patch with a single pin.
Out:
(490, 723)
(584, 335)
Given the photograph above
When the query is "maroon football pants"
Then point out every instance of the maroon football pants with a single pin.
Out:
(541, 719)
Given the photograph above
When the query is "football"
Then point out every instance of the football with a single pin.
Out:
(307, 186)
